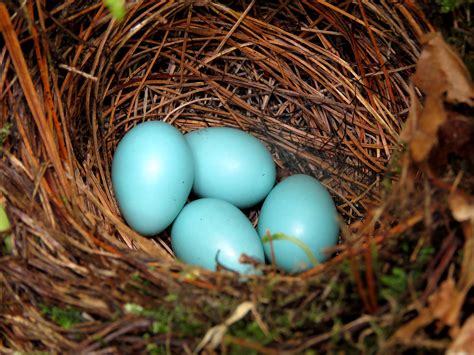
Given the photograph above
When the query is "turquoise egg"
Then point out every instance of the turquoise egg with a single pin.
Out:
(231, 165)
(152, 176)
(211, 231)
(301, 216)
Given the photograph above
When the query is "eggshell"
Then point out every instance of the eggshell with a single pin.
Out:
(209, 230)
(231, 165)
(301, 208)
(152, 176)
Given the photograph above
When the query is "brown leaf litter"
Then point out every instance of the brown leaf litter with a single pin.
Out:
(443, 79)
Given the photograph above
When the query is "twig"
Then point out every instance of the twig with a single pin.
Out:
(77, 71)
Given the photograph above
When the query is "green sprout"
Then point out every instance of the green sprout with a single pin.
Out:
(116, 8)
(296, 241)
(4, 227)
(4, 221)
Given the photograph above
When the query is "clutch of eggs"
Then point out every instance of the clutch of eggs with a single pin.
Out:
(155, 168)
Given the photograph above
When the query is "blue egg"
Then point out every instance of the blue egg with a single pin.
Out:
(209, 231)
(301, 216)
(152, 176)
(231, 165)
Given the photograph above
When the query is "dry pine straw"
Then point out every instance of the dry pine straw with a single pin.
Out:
(325, 86)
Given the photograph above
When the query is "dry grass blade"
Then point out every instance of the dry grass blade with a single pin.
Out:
(31, 95)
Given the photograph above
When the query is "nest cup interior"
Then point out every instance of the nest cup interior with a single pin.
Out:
(326, 98)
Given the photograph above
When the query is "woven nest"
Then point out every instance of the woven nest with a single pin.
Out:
(326, 99)
(324, 85)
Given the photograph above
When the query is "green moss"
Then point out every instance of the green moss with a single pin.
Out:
(7, 247)
(405, 247)
(187, 325)
(176, 320)
(159, 328)
(251, 331)
(154, 349)
(140, 285)
(171, 297)
(64, 317)
(4, 133)
(345, 266)
(235, 349)
(336, 331)
(395, 283)
(6, 241)
(425, 254)
(133, 308)
(447, 6)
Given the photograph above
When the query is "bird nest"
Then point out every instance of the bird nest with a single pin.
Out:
(325, 86)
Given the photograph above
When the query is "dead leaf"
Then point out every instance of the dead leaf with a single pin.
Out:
(446, 303)
(440, 70)
(443, 78)
(406, 332)
(464, 342)
(455, 138)
(413, 116)
(466, 279)
(462, 206)
(425, 135)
